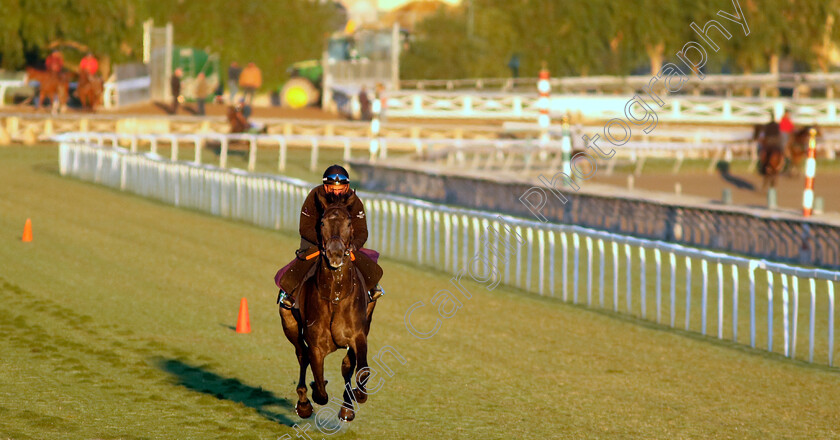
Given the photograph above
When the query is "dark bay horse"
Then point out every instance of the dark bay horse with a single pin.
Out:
(52, 84)
(334, 312)
(771, 152)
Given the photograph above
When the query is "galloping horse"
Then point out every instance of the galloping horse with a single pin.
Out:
(797, 147)
(51, 84)
(334, 312)
(771, 152)
(90, 90)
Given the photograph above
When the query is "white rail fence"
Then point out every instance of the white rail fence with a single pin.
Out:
(650, 280)
(490, 105)
(6, 85)
(723, 84)
(251, 143)
(486, 154)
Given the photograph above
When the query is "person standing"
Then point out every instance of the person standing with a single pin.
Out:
(786, 128)
(233, 81)
(364, 104)
(250, 80)
(201, 90)
(513, 65)
(175, 86)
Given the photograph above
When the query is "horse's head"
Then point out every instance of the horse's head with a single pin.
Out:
(757, 130)
(336, 231)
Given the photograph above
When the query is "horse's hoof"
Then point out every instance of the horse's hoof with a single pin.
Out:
(346, 414)
(304, 409)
(360, 395)
(319, 399)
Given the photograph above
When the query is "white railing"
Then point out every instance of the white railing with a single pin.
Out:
(252, 142)
(651, 280)
(111, 94)
(486, 154)
(5, 85)
(723, 84)
(474, 105)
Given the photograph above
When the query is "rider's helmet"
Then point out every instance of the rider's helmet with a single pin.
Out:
(336, 175)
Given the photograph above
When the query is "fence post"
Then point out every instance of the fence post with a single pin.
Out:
(810, 170)
(224, 153)
(544, 103)
(313, 162)
(687, 292)
(770, 279)
(375, 126)
(252, 153)
(281, 160)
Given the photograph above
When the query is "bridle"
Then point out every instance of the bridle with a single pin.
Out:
(324, 241)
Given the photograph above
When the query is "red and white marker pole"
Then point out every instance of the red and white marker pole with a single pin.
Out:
(810, 170)
(544, 120)
(375, 126)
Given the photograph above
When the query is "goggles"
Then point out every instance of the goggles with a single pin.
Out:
(337, 179)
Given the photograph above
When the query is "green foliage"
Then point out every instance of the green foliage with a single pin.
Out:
(274, 34)
(608, 37)
(27, 27)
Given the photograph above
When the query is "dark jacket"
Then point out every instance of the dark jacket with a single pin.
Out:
(175, 84)
(310, 216)
(233, 73)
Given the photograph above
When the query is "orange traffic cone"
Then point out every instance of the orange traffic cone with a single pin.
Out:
(27, 231)
(243, 324)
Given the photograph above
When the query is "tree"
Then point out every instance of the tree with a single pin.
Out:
(28, 27)
(273, 34)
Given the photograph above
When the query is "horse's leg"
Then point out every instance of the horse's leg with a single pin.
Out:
(346, 412)
(303, 408)
(359, 346)
(319, 387)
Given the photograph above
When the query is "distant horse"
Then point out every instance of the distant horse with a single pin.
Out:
(771, 152)
(90, 90)
(52, 84)
(797, 147)
(334, 312)
(239, 124)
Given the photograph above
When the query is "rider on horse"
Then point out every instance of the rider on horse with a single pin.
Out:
(89, 65)
(336, 187)
(55, 62)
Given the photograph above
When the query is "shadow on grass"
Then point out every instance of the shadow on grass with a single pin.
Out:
(203, 381)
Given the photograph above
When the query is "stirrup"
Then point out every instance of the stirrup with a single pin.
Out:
(285, 301)
(376, 293)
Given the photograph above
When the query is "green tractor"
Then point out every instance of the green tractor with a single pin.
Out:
(304, 88)
(304, 85)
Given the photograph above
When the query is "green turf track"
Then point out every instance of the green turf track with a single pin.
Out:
(116, 323)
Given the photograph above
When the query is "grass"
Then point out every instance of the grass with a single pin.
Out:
(116, 323)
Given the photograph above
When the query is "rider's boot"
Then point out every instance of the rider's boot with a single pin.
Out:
(285, 300)
(376, 292)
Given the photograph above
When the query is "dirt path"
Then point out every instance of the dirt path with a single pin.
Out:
(745, 187)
